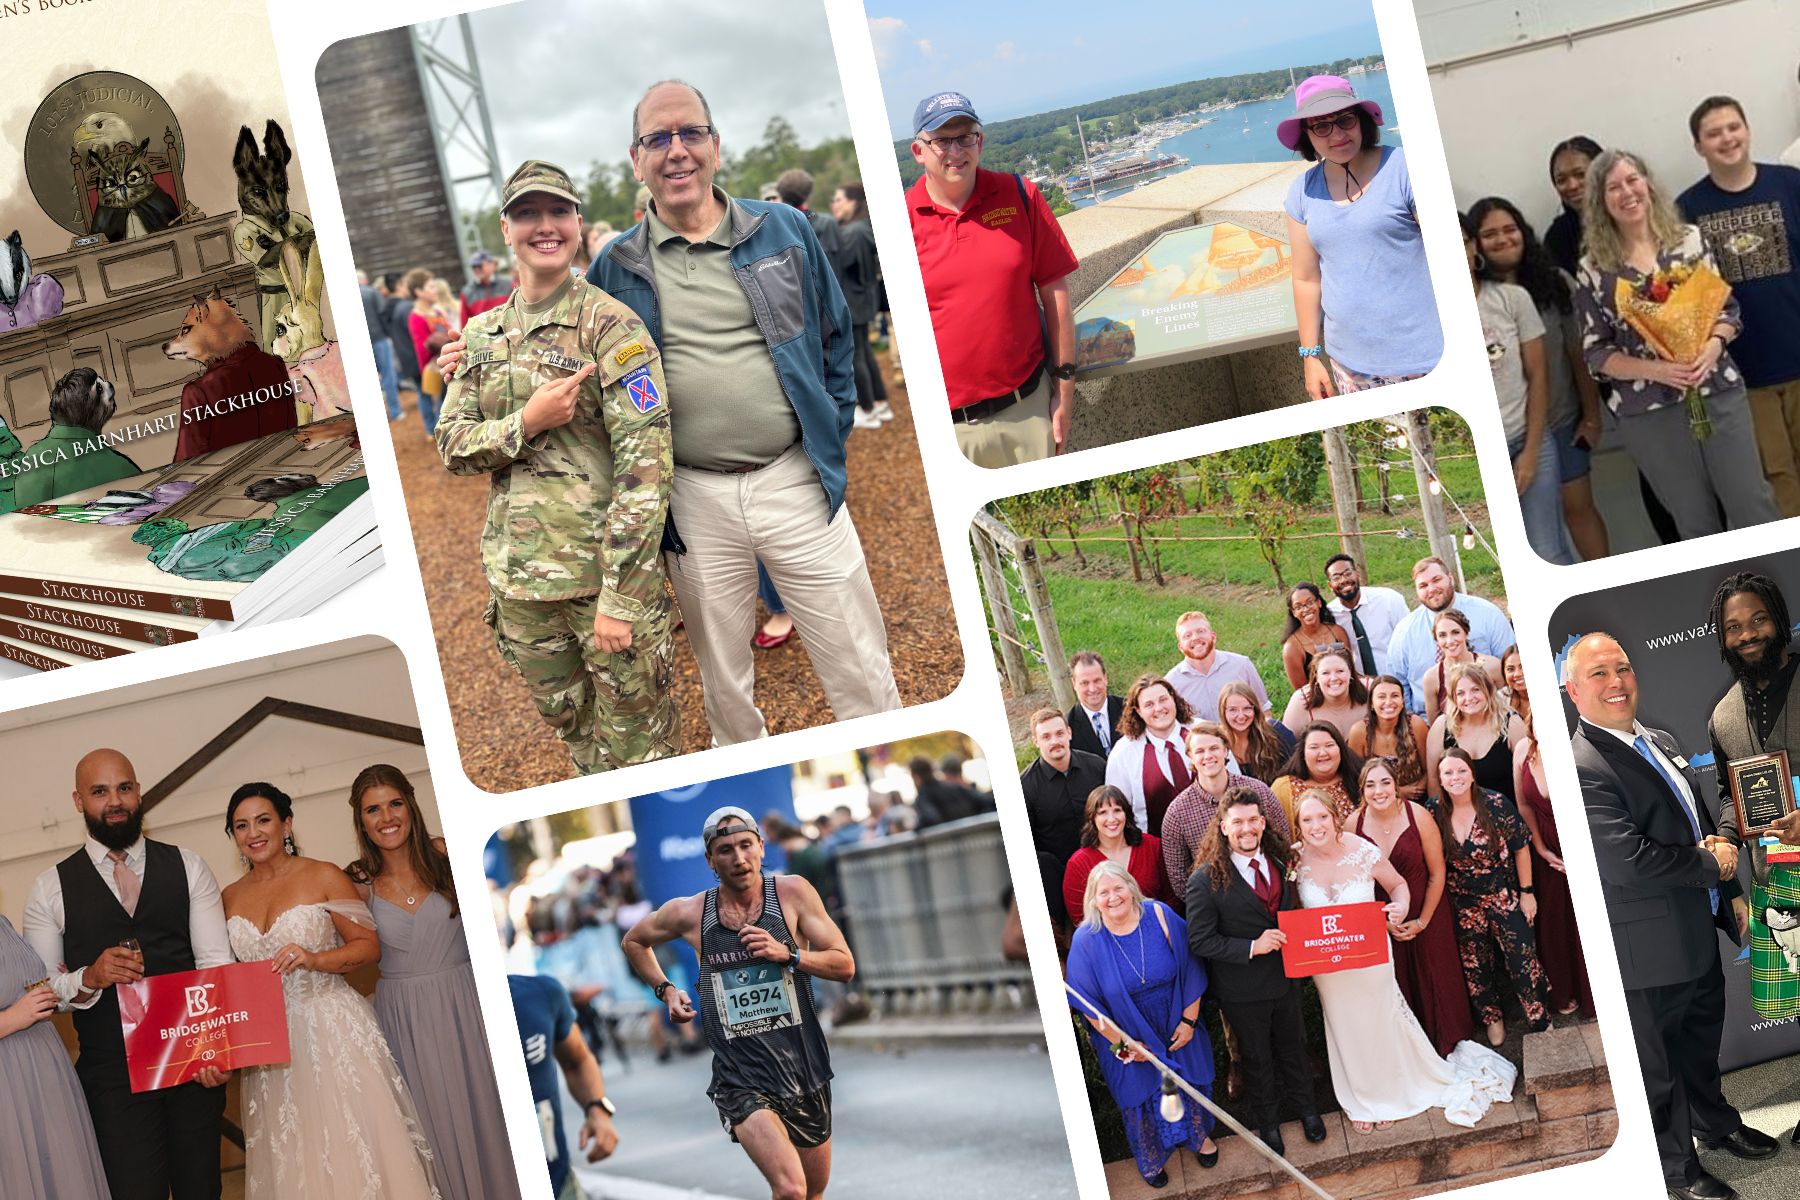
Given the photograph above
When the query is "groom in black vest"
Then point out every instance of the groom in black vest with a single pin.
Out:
(1238, 885)
(121, 885)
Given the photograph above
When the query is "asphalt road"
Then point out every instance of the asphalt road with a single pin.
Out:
(972, 1123)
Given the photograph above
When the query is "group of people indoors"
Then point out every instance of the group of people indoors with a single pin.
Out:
(1715, 437)
(1408, 773)
(395, 1098)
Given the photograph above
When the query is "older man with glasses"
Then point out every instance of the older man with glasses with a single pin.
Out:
(756, 351)
(991, 254)
(756, 345)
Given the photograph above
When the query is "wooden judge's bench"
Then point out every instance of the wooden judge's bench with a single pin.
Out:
(121, 302)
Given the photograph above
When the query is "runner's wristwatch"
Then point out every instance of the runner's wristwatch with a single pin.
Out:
(662, 987)
(1064, 370)
(603, 1104)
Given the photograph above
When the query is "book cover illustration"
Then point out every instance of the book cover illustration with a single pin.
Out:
(161, 294)
(202, 529)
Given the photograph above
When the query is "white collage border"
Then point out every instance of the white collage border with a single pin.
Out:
(391, 602)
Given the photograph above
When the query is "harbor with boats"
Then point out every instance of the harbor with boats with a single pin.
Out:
(1231, 132)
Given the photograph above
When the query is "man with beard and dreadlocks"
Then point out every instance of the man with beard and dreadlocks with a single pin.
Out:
(122, 887)
(1758, 716)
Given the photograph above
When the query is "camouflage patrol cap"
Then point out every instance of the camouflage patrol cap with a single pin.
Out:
(536, 175)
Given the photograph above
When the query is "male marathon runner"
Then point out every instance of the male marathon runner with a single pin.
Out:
(761, 939)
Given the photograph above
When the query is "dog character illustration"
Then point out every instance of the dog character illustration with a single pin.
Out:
(270, 236)
(25, 299)
(244, 391)
(341, 428)
(314, 363)
(129, 204)
(69, 460)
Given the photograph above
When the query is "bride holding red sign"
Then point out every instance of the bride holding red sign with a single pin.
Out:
(339, 1115)
(1383, 1067)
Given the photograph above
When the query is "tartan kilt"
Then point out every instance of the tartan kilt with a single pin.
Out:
(1774, 990)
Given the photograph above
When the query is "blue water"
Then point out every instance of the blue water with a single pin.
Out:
(1223, 140)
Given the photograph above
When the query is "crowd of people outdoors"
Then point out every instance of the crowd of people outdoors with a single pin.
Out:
(568, 930)
(565, 919)
(1715, 433)
(399, 1094)
(731, 311)
(1404, 768)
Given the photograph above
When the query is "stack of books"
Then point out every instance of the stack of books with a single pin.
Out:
(253, 532)
(177, 455)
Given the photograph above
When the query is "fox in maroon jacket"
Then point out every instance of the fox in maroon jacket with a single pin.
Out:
(244, 393)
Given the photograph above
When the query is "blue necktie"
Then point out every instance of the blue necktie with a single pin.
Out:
(1100, 730)
(1643, 749)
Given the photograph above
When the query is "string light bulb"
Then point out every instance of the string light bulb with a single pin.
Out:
(1172, 1108)
(1468, 537)
(1436, 486)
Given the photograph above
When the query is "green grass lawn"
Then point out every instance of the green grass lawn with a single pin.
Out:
(1100, 607)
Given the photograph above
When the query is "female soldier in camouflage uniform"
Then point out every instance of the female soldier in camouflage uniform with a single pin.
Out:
(560, 400)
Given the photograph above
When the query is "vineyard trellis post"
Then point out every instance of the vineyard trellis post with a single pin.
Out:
(1431, 504)
(1346, 492)
(992, 539)
(993, 582)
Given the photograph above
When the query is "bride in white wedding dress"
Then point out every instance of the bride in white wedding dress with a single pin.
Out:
(336, 1122)
(1383, 1067)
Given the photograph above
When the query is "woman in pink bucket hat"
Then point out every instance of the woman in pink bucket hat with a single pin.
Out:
(1362, 290)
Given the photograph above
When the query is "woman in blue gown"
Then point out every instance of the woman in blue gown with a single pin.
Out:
(1130, 959)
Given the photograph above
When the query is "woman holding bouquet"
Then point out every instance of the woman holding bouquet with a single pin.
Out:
(1686, 423)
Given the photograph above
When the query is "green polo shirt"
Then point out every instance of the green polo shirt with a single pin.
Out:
(721, 377)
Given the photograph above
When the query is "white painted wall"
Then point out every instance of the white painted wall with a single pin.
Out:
(158, 725)
(1632, 87)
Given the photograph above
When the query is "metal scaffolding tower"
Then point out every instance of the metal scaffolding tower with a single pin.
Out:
(461, 130)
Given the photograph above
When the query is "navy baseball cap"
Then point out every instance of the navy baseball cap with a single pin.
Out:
(934, 111)
(481, 256)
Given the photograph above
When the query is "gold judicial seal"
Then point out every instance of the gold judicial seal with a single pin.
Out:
(103, 112)
(1762, 789)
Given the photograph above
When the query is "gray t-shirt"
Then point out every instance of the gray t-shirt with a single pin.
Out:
(1508, 320)
(726, 405)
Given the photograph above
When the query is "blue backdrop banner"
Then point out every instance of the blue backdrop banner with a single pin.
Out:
(1666, 629)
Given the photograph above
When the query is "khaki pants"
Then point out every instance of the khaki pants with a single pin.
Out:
(1020, 433)
(1776, 413)
(777, 514)
(610, 710)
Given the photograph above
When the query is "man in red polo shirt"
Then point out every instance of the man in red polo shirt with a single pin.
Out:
(990, 253)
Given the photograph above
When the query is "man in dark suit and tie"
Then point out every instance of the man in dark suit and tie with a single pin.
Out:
(1238, 885)
(1668, 872)
(1094, 721)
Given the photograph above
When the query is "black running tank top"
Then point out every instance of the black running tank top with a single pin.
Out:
(760, 1017)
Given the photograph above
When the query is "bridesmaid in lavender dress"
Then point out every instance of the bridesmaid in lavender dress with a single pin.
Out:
(426, 999)
(46, 1138)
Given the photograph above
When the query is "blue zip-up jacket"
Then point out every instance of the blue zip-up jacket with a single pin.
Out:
(799, 308)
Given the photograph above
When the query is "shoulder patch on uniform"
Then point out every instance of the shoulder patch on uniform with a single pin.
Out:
(628, 351)
(642, 389)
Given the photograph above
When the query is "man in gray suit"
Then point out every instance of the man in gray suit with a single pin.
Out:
(1668, 872)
